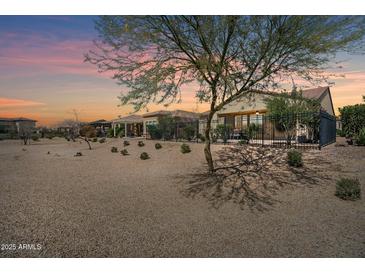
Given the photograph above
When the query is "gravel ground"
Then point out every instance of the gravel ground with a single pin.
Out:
(104, 204)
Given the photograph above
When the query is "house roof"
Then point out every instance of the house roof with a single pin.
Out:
(174, 113)
(129, 119)
(314, 93)
(18, 119)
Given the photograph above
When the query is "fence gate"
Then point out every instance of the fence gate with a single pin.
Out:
(327, 129)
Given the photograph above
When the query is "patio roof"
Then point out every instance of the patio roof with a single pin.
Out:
(129, 119)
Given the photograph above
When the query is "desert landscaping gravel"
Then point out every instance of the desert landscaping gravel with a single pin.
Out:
(104, 204)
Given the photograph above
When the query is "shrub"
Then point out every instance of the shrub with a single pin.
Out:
(35, 138)
(144, 156)
(154, 131)
(78, 154)
(102, 140)
(124, 152)
(360, 138)
(295, 158)
(353, 119)
(188, 132)
(185, 148)
(201, 137)
(95, 139)
(158, 146)
(88, 131)
(348, 189)
(243, 142)
(125, 143)
(340, 133)
(114, 149)
(140, 144)
(50, 136)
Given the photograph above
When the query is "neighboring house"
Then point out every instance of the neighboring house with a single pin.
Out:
(137, 125)
(251, 109)
(10, 127)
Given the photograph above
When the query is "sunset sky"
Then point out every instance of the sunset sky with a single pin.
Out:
(43, 76)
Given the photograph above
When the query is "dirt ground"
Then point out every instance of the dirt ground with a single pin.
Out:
(103, 204)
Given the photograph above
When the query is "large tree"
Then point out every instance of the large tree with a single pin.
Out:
(229, 56)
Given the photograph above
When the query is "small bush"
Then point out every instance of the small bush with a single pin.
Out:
(50, 137)
(158, 146)
(360, 138)
(295, 158)
(126, 143)
(140, 144)
(144, 156)
(95, 139)
(78, 154)
(185, 148)
(348, 189)
(124, 152)
(102, 140)
(35, 138)
(201, 137)
(242, 142)
(114, 149)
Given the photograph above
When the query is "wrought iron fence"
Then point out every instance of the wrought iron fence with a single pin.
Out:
(300, 130)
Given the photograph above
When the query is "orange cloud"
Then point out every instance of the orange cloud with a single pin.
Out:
(9, 102)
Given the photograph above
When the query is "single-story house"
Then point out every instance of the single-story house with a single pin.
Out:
(239, 114)
(10, 127)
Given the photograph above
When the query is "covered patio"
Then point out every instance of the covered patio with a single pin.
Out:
(132, 126)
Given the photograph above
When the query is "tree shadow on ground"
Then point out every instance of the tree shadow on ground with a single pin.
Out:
(252, 176)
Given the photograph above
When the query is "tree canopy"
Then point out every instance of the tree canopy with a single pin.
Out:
(228, 56)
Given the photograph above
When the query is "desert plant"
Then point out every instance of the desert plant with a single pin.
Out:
(348, 189)
(102, 140)
(114, 149)
(360, 138)
(78, 154)
(124, 152)
(125, 143)
(243, 142)
(295, 158)
(95, 139)
(185, 148)
(144, 156)
(201, 137)
(188, 132)
(158, 146)
(35, 138)
(140, 144)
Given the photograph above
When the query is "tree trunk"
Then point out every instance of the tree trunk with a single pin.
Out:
(207, 152)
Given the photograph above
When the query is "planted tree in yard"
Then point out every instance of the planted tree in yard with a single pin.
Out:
(25, 131)
(228, 56)
(290, 109)
(353, 119)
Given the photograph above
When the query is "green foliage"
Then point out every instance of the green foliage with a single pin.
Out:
(95, 139)
(114, 149)
(353, 119)
(78, 154)
(348, 189)
(35, 138)
(102, 140)
(185, 148)
(222, 132)
(140, 144)
(295, 158)
(119, 131)
(167, 126)
(360, 138)
(124, 152)
(144, 156)
(252, 130)
(201, 137)
(188, 132)
(110, 133)
(126, 143)
(340, 133)
(154, 131)
(242, 142)
(158, 146)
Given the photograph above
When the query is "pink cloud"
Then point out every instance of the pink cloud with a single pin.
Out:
(10, 102)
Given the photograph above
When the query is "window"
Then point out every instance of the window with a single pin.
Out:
(256, 119)
(240, 121)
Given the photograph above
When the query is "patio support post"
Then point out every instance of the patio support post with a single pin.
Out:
(125, 129)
